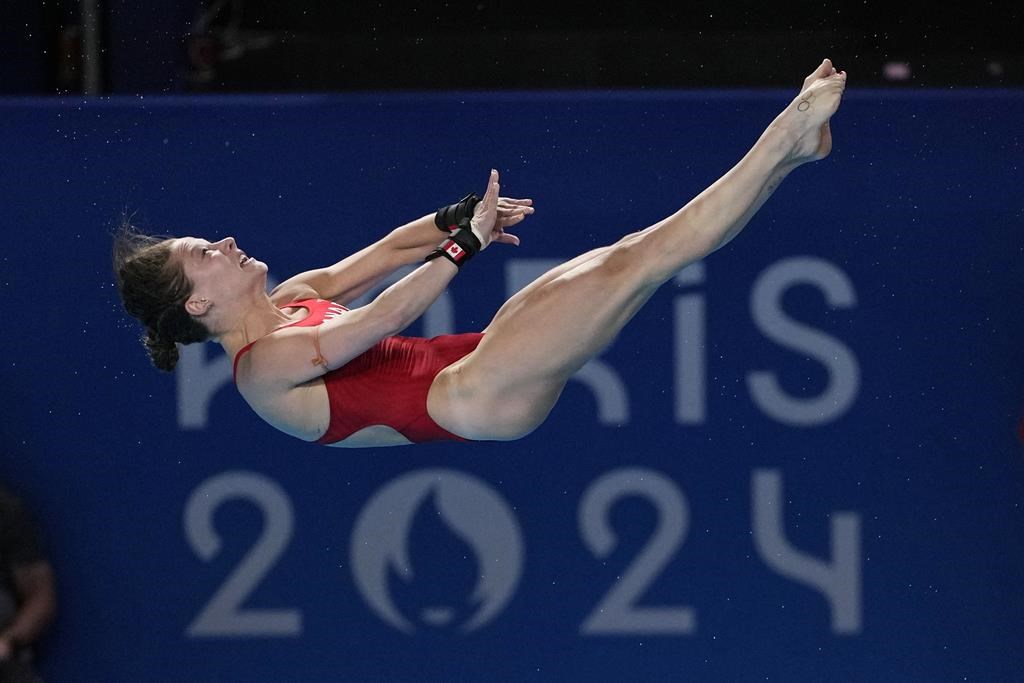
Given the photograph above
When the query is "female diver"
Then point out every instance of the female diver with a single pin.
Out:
(325, 374)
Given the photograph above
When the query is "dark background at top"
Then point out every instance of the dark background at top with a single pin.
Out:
(266, 46)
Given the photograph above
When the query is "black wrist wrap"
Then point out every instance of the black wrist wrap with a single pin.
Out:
(460, 246)
(450, 217)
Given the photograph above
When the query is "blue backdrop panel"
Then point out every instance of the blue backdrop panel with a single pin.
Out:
(799, 462)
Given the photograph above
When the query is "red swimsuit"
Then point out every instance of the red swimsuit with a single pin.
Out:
(386, 385)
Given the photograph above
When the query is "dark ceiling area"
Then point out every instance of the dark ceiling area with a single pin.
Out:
(261, 45)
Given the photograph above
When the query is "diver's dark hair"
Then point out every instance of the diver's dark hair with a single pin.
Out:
(154, 290)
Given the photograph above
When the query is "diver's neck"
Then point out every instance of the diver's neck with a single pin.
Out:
(257, 320)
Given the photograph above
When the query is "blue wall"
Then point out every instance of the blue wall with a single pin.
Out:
(800, 461)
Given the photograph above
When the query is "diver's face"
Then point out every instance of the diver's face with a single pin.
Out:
(216, 266)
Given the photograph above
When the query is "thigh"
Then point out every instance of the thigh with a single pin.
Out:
(547, 277)
(509, 383)
(469, 401)
(506, 387)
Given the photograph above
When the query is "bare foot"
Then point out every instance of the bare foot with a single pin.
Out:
(824, 70)
(807, 116)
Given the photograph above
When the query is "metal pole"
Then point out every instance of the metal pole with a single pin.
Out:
(92, 48)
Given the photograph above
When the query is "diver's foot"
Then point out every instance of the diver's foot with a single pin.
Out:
(807, 116)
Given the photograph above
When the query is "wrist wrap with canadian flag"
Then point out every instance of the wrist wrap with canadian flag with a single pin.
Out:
(460, 246)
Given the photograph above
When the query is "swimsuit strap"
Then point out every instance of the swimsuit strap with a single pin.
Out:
(303, 303)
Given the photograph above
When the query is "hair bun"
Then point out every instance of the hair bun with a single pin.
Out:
(154, 289)
(162, 352)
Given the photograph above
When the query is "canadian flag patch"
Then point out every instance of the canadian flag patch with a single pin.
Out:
(455, 251)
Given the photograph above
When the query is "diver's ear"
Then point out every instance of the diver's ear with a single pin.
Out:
(197, 306)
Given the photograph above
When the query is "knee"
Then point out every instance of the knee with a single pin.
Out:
(629, 257)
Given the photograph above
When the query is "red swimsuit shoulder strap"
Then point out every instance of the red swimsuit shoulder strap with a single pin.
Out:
(313, 306)
(238, 356)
